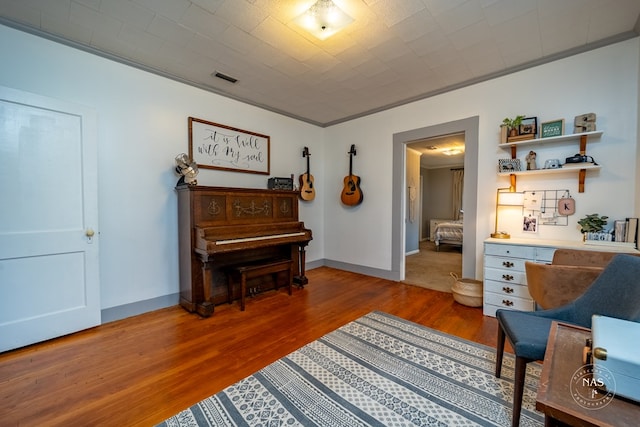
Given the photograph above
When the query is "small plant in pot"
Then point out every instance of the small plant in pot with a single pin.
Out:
(513, 124)
(592, 225)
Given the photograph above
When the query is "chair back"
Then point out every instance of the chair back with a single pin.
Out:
(615, 293)
(582, 257)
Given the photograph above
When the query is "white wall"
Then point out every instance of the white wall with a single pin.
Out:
(142, 121)
(604, 81)
(143, 125)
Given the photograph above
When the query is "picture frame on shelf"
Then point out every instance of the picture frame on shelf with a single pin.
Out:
(529, 126)
(509, 165)
(552, 128)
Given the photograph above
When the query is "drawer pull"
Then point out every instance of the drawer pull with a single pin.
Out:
(507, 277)
(507, 289)
(507, 302)
(507, 264)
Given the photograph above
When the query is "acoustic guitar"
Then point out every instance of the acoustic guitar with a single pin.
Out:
(307, 190)
(351, 193)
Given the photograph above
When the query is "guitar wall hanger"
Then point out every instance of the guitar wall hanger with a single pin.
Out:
(351, 193)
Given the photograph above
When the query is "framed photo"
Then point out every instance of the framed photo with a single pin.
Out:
(552, 128)
(216, 146)
(509, 165)
(529, 126)
(530, 224)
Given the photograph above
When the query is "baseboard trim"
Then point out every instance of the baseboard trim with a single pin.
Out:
(120, 312)
(139, 307)
(367, 271)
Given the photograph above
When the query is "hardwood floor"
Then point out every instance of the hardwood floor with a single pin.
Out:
(141, 370)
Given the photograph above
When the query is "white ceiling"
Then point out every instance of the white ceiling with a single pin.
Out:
(396, 51)
(434, 151)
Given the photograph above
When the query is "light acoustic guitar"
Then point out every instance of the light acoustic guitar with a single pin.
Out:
(351, 193)
(307, 189)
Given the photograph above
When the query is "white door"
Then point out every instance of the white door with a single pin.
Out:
(49, 281)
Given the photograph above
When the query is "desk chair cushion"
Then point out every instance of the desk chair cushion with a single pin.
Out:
(526, 332)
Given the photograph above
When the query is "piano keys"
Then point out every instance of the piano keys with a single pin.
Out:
(221, 226)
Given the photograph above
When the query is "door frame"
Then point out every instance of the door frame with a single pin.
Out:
(470, 127)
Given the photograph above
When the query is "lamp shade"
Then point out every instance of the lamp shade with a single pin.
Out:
(505, 197)
(508, 198)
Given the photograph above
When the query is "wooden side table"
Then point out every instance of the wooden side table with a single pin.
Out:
(562, 360)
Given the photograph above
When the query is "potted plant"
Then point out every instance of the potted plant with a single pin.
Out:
(513, 124)
(592, 223)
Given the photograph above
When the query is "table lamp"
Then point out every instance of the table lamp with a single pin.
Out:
(506, 197)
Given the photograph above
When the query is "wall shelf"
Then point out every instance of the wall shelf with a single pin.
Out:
(564, 169)
(550, 140)
(580, 168)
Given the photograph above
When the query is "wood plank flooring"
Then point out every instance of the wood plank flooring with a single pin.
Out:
(141, 370)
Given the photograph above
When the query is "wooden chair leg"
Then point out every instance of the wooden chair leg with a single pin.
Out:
(518, 389)
(499, 351)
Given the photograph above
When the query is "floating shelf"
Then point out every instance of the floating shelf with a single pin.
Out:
(581, 168)
(550, 140)
(564, 169)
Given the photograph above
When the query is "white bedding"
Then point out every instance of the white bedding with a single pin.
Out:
(449, 232)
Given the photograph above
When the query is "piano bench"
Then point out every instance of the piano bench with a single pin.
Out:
(257, 269)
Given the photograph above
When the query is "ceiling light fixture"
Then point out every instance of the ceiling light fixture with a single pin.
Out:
(323, 19)
(452, 151)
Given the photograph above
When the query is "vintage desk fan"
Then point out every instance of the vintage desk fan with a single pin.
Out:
(187, 169)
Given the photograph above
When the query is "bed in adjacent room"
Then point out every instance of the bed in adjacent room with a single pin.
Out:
(449, 233)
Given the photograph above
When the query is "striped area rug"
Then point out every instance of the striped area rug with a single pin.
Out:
(378, 370)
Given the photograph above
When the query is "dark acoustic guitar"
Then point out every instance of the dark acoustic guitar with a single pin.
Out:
(351, 193)
(307, 189)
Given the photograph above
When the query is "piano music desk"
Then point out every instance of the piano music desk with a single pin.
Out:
(257, 269)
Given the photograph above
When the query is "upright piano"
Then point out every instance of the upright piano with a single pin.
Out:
(221, 226)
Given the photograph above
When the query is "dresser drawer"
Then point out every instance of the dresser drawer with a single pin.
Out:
(510, 302)
(505, 276)
(507, 289)
(544, 254)
(527, 252)
(504, 263)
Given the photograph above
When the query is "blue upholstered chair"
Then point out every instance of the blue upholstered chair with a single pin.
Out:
(615, 293)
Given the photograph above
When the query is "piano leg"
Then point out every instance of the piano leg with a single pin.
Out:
(301, 279)
(205, 308)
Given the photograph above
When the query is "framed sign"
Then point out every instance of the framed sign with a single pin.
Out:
(552, 128)
(216, 146)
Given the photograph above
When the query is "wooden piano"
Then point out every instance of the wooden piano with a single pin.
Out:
(219, 227)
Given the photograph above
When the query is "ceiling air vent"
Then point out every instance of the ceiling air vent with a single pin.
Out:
(224, 77)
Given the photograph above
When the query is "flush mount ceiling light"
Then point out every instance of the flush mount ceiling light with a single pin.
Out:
(323, 19)
(452, 151)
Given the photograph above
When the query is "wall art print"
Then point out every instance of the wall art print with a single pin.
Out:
(216, 146)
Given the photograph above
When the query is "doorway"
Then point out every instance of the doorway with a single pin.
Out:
(440, 166)
(469, 127)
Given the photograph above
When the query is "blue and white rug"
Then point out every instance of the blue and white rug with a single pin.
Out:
(378, 370)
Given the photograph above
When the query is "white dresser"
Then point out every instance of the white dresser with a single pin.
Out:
(505, 279)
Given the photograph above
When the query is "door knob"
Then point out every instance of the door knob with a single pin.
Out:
(90, 233)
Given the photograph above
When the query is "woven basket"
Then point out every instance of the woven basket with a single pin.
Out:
(467, 291)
